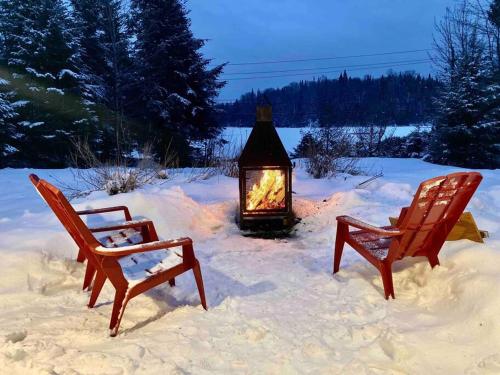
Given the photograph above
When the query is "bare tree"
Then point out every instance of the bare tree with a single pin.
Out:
(369, 139)
(457, 42)
(330, 151)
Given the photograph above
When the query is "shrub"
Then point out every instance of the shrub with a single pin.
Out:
(217, 156)
(121, 175)
(328, 152)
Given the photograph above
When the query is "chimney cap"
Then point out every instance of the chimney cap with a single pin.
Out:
(264, 113)
(264, 146)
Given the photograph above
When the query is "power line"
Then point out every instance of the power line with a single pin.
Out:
(379, 66)
(325, 68)
(327, 58)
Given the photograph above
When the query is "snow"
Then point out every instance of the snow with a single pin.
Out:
(180, 99)
(274, 306)
(20, 103)
(292, 136)
(68, 72)
(37, 74)
(55, 90)
(30, 124)
(9, 149)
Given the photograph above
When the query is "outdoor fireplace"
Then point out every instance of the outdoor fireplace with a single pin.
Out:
(265, 176)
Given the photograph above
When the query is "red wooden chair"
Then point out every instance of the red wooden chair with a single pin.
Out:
(126, 232)
(131, 268)
(421, 229)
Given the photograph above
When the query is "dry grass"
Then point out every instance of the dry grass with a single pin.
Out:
(116, 176)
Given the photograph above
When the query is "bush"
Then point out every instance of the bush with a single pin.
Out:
(121, 175)
(413, 145)
(328, 152)
(217, 156)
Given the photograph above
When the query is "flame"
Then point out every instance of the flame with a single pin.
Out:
(268, 193)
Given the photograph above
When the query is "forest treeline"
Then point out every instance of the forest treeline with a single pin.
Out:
(394, 98)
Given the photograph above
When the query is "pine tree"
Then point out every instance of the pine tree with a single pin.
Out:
(88, 17)
(493, 15)
(104, 63)
(465, 132)
(39, 50)
(492, 105)
(15, 18)
(7, 123)
(174, 88)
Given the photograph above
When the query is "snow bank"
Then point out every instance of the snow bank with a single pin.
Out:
(274, 306)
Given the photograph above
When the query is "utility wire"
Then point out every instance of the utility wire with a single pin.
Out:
(379, 66)
(327, 67)
(326, 58)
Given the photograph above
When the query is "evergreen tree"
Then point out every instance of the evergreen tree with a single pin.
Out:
(104, 64)
(174, 88)
(493, 15)
(465, 132)
(39, 51)
(88, 17)
(7, 123)
(15, 18)
(492, 117)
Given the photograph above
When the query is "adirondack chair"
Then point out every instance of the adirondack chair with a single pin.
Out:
(131, 269)
(420, 230)
(127, 232)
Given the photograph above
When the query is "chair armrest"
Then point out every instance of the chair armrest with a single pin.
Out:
(370, 228)
(142, 248)
(123, 225)
(107, 209)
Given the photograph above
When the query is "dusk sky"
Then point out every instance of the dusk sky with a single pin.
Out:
(276, 30)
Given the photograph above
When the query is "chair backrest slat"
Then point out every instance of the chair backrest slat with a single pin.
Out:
(435, 209)
(65, 213)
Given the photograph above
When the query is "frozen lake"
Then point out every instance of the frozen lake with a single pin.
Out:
(291, 136)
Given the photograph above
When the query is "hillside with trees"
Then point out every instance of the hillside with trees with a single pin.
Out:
(394, 98)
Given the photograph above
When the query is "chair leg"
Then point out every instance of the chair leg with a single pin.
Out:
(199, 283)
(114, 331)
(386, 273)
(172, 282)
(433, 260)
(89, 275)
(99, 281)
(342, 231)
(81, 256)
(118, 309)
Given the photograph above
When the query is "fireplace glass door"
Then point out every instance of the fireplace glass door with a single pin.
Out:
(265, 190)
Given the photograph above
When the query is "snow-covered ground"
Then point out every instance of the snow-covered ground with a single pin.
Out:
(274, 306)
(291, 136)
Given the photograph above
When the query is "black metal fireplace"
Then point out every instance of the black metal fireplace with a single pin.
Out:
(265, 176)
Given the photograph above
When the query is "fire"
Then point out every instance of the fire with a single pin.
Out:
(268, 193)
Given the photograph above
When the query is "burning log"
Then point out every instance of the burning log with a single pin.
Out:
(268, 193)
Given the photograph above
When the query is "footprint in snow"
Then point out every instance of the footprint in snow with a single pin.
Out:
(17, 336)
(488, 365)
